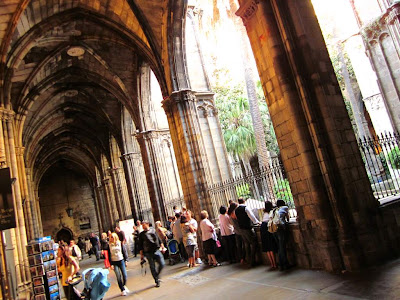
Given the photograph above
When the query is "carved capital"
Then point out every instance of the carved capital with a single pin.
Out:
(19, 151)
(247, 10)
(6, 114)
(374, 103)
(374, 30)
(393, 13)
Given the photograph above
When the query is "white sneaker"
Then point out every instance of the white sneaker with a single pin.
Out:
(126, 289)
(123, 293)
(199, 261)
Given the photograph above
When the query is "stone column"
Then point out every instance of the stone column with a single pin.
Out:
(138, 183)
(132, 184)
(103, 206)
(24, 192)
(20, 254)
(32, 203)
(331, 190)
(116, 193)
(153, 176)
(184, 125)
(117, 175)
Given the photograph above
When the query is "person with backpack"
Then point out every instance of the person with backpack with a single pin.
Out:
(268, 243)
(75, 251)
(150, 246)
(279, 218)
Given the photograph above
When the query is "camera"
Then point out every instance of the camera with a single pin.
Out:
(143, 261)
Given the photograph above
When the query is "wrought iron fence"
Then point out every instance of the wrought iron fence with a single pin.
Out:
(269, 183)
(176, 202)
(381, 157)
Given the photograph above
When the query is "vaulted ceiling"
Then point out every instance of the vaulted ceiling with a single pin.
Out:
(67, 67)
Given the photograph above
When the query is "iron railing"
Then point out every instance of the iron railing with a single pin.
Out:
(269, 183)
(381, 157)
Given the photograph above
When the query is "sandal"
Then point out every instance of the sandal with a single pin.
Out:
(217, 265)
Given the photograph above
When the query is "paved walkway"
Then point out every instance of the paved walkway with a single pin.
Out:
(236, 282)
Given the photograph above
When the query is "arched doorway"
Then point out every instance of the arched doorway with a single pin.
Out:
(64, 234)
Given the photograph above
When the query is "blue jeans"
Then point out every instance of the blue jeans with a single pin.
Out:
(152, 258)
(280, 237)
(120, 272)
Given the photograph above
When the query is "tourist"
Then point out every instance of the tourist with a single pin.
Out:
(150, 248)
(280, 234)
(177, 234)
(227, 235)
(95, 241)
(104, 246)
(268, 242)
(161, 232)
(117, 262)
(75, 251)
(68, 267)
(81, 245)
(240, 253)
(247, 220)
(194, 225)
(189, 240)
(88, 247)
(208, 237)
(121, 236)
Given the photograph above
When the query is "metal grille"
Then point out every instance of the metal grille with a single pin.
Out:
(381, 157)
(269, 183)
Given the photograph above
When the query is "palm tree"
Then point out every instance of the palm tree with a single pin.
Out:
(236, 124)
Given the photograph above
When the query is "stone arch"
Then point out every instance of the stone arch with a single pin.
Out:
(64, 234)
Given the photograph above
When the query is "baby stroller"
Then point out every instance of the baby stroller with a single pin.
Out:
(173, 249)
(95, 283)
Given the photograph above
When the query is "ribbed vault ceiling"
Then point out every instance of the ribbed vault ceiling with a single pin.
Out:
(69, 66)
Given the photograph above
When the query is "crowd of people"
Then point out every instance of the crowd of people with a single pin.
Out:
(234, 242)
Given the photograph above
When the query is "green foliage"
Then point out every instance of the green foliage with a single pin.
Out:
(282, 191)
(394, 157)
(243, 191)
(235, 118)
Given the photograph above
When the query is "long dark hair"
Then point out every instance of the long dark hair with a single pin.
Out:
(65, 255)
(232, 207)
(268, 206)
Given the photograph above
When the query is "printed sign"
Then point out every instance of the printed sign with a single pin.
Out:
(7, 211)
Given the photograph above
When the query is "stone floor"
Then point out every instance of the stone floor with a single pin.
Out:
(236, 282)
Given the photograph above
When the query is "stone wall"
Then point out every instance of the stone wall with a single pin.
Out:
(53, 204)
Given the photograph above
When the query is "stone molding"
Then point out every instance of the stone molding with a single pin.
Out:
(374, 102)
(6, 114)
(373, 31)
(247, 10)
(179, 97)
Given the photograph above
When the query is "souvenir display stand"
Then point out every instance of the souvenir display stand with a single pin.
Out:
(43, 269)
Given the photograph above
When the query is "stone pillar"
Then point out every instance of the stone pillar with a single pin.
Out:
(382, 40)
(181, 111)
(138, 183)
(24, 193)
(331, 190)
(154, 178)
(121, 193)
(32, 204)
(20, 254)
(110, 201)
(103, 208)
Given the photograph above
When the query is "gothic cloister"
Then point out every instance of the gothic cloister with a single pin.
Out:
(107, 112)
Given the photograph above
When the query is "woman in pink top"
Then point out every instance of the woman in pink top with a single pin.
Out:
(207, 236)
(227, 235)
